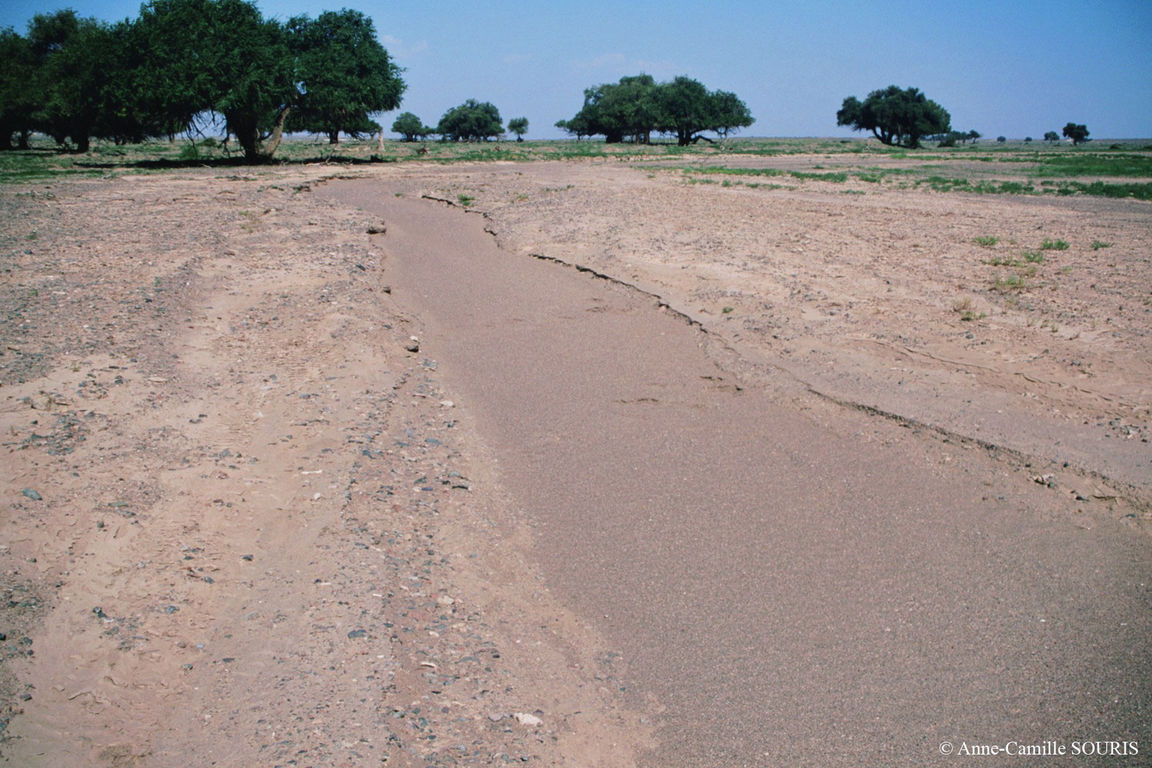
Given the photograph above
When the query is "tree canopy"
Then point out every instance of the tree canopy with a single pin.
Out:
(411, 127)
(518, 126)
(1077, 132)
(637, 106)
(78, 78)
(343, 74)
(471, 121)
(898, 117)
(230, 60)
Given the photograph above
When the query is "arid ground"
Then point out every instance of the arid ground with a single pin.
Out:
(278, 484)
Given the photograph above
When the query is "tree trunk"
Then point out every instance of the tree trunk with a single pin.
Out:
(334, 137)
(277, 132)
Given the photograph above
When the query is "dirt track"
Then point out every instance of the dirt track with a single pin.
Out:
(266, 531)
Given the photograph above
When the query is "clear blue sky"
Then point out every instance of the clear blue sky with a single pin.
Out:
(1003, 67)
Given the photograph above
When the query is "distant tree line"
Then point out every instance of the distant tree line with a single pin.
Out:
(77, 79)
(471, 121)
(636, 107)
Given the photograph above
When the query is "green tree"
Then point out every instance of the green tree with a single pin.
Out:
(17, 102)
(518, 126)
(729, 113)
(1078, 133)
(220, 56)
(684, 109)
(343, 74)
(1051, 137)
(72, 59)
(411, 127)
(471, 121)
(636, 106)
(898, 117)
(627, 109)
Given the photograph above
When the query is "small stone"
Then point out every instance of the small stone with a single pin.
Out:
(526, 719)
(357, 633)
(32, 494)
(413, 344)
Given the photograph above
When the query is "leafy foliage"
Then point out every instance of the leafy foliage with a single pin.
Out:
(231, 61)
(518, 126)
(343, 74)
(471, 121)
(17, 95)
(637, 106)
(898, 117)
(411, 127)
(1077, 132)
(158, 75)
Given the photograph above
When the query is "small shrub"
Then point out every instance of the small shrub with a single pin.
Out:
(1098, 244)
(465, 200)
(987, 241)
(1033, 257)
(1054, 245)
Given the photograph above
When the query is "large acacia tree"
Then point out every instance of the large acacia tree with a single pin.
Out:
(898, 117)
(17, 100)
(471, 121)
(343, 74)
(220, 56)
(70, 69)
(182, 60)
(637, 106)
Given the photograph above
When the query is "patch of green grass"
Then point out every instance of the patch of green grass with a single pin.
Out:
(1033, 257)
(1054, 245)
(465, 200)
(1066, 164)
(1138, 191)
(835, 177)
(987, 241)
(1098, 244)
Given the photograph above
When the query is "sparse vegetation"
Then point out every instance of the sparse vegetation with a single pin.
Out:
(1054, 245)
(763, 163)
(1008, 283)
(965, 308)
(987, 241)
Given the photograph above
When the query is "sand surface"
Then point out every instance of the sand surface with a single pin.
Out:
(764, 497)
